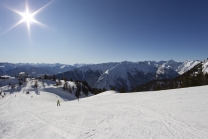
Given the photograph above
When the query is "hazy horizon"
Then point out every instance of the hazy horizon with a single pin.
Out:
(96, 63)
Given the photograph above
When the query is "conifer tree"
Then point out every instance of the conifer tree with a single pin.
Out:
(84, 90)
(112, 87)
(65, 86)
(96, 91)
(36, 84)
(59, 82)
(20, 83)
(122, 89)
(104, 89)
(54, 78)
(99, 90)
(70, 90)
(45, 76)
(206, 78)
(78, 90)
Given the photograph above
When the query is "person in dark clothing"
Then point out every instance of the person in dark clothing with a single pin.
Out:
(58, 103)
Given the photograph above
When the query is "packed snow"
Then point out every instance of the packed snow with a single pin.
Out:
(177, 113)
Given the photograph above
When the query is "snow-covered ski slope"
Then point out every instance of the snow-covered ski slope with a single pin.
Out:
(170, 114)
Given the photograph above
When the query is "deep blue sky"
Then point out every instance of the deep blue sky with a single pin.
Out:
(97, 31)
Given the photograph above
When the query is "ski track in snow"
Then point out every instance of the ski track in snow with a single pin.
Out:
(175, 114)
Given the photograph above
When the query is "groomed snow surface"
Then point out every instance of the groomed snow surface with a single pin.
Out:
(172, 114)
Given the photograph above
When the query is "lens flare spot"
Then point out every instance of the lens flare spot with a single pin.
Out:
(27, 17)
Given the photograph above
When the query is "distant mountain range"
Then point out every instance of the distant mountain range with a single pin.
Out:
(105, 75)
(127, 74)
(196, 76)
(12, 69)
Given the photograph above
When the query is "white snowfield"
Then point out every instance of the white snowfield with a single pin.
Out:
(173, 114)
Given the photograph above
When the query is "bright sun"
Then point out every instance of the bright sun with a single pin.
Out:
(27, 17)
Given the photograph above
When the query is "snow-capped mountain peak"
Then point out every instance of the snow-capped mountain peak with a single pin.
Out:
(127, 74)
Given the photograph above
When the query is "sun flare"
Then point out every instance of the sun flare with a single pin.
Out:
(27, 17)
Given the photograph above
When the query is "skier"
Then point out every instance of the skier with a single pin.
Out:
(58, 103)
